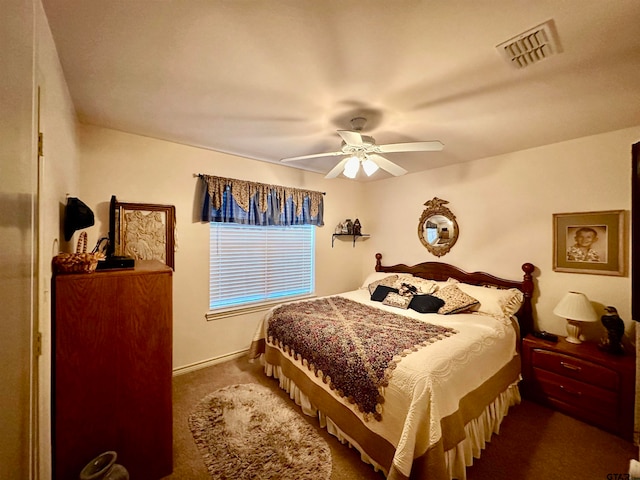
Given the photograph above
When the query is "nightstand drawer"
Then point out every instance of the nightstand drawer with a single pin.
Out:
(578, 394)
(581, 381)
(572, 367)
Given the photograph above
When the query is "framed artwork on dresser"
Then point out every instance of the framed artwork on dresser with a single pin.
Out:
(589, 242)
(145, 231)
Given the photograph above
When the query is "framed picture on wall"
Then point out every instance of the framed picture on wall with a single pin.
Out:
(145, 231)
(589, 242)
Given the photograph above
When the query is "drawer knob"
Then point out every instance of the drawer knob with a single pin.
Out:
(570, 392)
(570, 366)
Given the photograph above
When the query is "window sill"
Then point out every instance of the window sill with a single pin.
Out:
(246, 309)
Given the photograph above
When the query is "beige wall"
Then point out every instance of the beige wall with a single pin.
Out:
(145, 170)
(17, 253)
(503, 205)
(60, 176)
(504, 208)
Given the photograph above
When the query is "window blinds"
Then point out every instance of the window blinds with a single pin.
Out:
(253, 264)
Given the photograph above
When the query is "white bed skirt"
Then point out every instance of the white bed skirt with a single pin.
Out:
(477, 432)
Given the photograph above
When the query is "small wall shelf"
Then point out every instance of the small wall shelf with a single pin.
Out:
(343, 235)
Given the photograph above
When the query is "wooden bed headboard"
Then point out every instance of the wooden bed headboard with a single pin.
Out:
(443, 271)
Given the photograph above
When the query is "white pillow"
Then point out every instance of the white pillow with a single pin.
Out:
(494, 301)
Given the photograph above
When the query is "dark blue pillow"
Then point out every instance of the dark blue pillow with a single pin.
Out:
(426, 303)
(380, 293)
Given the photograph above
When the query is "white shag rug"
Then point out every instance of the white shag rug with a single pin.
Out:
(248, 432)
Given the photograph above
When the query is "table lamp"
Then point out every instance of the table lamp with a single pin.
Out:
(576, 308)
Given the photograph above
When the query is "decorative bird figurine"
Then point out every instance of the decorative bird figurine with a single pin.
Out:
(615, 331)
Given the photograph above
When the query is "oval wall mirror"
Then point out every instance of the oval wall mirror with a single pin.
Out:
(438, 229)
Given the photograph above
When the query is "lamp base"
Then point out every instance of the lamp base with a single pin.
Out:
(573, 340)
(573, 331)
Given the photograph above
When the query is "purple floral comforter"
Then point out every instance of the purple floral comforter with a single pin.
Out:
(354, 347)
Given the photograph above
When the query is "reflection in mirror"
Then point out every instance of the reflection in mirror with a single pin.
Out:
(438, 229)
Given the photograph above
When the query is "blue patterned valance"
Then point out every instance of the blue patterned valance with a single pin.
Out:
(251, 203)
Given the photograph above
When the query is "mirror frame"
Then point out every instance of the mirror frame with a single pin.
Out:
(436, 206)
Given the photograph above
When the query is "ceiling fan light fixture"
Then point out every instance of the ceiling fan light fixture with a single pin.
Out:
(369, 166)
(357, 149)
(351, 167)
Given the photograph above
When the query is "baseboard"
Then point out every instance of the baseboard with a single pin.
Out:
(208, 363)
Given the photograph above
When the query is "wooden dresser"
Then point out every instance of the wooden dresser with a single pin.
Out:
(111, 366)
(581, 381)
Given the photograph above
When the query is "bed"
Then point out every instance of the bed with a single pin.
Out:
(418, 393)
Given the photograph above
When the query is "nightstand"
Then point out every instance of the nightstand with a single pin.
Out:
(581, 381)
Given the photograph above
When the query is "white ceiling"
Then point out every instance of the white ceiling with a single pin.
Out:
(267, 79)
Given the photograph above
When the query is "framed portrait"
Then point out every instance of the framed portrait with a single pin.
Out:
(145, 231)
(589, 242)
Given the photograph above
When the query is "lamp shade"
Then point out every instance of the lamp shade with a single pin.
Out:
(576, 306)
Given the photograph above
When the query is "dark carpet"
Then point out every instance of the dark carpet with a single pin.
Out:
(534, 443)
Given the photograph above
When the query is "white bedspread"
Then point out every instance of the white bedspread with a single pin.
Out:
(429, 384)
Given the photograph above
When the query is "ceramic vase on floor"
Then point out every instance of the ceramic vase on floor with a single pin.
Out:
(104, 467)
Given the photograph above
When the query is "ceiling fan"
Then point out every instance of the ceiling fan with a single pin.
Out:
(362, 150)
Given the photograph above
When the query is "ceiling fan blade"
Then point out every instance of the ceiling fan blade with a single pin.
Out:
(313, 155)
(434, 146)
(350, 137)
(337, 170)
(383, 163)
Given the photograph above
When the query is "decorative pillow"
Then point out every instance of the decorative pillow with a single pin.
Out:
(455, 300)
(426, 303)
(441, 284)
(396, 300)
(422, 285)
(388, 281)
(375, 276)
(381, 291)
(406, 289)
(494, 301)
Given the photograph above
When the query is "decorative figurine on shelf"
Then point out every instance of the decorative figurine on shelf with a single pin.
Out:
(615, 331)
(339, 228)
(349, 226)
(357, 228)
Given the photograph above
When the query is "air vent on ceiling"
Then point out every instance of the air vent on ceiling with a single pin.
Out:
(532, 46)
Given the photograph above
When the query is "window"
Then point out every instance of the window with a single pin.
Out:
(251, 264)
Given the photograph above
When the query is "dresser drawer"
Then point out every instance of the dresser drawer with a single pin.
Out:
(578, 394)
(568, 366)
